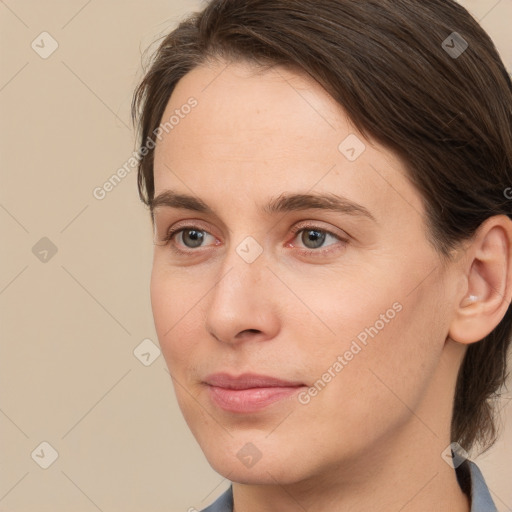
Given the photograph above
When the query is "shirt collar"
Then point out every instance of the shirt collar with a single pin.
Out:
(473, 484)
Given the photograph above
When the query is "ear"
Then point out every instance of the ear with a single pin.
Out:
(487, 269)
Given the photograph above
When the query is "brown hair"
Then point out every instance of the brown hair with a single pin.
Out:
(388, 64)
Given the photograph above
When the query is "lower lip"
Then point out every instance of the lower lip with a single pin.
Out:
(249, 400)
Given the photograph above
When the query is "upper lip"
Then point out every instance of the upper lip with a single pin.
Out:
(247, 381)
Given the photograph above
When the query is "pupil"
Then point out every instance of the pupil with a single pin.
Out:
(315, 237)
(196, 237)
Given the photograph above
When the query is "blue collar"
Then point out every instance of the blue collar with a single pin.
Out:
(472, 482)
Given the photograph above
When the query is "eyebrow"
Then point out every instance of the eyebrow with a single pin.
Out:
(281, 204)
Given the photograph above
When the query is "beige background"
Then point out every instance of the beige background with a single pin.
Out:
(69, 326)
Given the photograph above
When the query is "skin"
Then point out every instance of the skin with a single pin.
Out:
(372, 438)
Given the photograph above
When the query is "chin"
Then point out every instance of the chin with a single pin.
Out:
(260, 474)
(242, 462)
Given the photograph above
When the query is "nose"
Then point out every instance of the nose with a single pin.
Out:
(242, 305)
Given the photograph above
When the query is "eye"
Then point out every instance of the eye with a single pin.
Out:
(191, 237)
(314, 238)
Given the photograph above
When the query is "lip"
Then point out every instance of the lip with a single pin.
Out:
(248, 392)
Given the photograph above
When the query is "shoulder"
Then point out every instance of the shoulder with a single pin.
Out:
(224, 503)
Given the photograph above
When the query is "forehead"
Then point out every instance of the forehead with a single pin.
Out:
(251, 113)
(270, 130)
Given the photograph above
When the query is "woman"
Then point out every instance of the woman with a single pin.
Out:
(327, 183)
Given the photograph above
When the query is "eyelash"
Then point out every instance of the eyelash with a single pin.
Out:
(295, 230)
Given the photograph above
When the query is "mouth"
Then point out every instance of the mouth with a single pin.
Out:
(248, 392)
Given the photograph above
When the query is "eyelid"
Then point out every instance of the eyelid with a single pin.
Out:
(312, 225)
(183, 225)
(191, 226)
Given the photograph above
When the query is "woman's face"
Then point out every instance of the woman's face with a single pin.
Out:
(300, 308)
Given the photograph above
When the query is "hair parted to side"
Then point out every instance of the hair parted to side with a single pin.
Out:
(449, 119)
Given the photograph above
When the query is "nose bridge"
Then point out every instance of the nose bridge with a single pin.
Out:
(241, 271)
(240, 299)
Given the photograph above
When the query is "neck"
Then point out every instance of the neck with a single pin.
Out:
(406, 476)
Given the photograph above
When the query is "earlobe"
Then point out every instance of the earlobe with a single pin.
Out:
(488, 273)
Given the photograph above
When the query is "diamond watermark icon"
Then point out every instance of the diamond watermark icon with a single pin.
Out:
(44, 45)
(454, 455)
(455, 45)
(44, 455)
(146, 352)
(44, 250)
(352, 148)
(249, 455)
(249, 250)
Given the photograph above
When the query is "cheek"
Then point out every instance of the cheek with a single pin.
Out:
(394, 369)
(175, 310)
(173, 314)
(389, 348)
